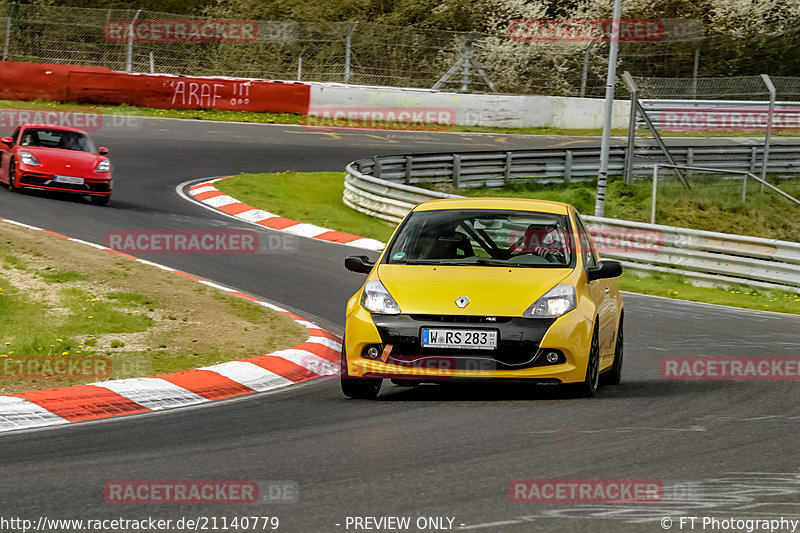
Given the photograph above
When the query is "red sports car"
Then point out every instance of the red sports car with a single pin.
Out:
(55, 158)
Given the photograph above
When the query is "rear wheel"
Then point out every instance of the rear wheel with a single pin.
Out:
(358, 388)
(614, 375)
(100, 200)
(590, 384)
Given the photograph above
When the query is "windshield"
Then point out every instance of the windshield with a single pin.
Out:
(54, 138)
(483, 238)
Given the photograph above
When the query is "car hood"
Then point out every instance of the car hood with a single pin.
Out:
(64, 162)
(492, 291)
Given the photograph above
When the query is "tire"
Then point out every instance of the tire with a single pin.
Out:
(11, 176)
(357, 388)
(588, 387)
(405, 382)
(100, 200)
(614, 374)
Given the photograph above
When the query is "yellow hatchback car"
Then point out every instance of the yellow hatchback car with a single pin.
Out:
(484, 289)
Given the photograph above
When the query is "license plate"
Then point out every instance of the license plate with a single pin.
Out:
(69, 179)
(468, 339)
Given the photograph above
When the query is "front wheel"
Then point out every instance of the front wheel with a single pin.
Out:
(357, 388)
(590, 384)
(100, 200)
(614, 375)
(11, 176)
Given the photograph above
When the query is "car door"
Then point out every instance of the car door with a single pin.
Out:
(600, 291)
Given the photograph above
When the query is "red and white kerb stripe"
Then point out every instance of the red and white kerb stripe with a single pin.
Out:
(318, 356)
(209, 195)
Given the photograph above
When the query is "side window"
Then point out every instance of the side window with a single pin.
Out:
(15, 135)
(587, 248)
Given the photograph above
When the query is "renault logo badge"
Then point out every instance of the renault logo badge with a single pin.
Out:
(462, 302)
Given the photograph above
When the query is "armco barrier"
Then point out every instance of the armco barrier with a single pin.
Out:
(496, 169)
(99, 85)
(700, 256)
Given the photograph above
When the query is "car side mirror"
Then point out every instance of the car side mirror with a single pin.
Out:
(102, 150)
(7, 141)
(604, 270)
(358, 263)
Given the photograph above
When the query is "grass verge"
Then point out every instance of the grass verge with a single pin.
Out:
(296, 119)
(66, 301)
(317, 198)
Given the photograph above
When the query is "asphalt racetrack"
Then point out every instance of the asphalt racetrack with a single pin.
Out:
(721, 448)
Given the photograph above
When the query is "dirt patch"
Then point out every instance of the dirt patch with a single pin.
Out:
(192, 324)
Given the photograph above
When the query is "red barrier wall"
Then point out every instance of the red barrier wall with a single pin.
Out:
(100, 85)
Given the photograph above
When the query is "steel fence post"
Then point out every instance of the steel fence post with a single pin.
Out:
(129, 63)
(348, 42)
(630, 152)
(585, 72)
(8, 30)
(655, 186)
(768, 134)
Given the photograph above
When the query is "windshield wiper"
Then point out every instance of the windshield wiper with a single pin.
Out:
(493, 262)
(442, 262)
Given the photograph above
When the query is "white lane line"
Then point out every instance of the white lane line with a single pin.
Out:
(162, 267)
(93, 245)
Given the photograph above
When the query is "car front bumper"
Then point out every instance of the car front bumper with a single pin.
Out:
(43, 181)
(520, 354)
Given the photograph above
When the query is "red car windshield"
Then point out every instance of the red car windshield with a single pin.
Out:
(54, 138)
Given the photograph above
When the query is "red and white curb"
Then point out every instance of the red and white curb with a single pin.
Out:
(210, 196)
(317, 356)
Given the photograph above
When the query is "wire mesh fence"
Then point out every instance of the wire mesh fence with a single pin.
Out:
(670, 188)
(753, 109)
(347, 52)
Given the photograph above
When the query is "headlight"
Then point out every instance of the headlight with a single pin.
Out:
(28, 159)
(376, 299)
(557, 301)
(103, 166)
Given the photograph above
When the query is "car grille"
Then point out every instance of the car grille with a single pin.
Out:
(518, 346)
(461, 319)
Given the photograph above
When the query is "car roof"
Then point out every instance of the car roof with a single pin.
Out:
(519, 204)
(50, 127)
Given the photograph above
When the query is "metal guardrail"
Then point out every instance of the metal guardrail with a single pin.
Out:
(703, 257)
(496, 169)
